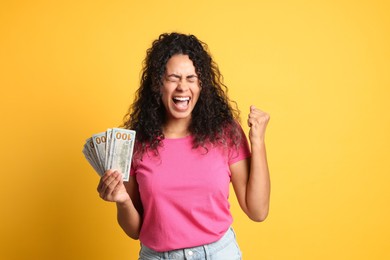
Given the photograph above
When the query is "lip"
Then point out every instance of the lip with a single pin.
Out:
(179, 104)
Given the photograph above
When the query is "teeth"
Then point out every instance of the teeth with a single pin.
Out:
(181, 98)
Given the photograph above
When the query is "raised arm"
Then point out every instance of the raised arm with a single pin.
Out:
(129, 209)
(250, 177)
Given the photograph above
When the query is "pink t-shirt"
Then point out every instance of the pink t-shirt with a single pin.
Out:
(184, 192)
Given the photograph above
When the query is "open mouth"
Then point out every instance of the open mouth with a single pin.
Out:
(181, 102)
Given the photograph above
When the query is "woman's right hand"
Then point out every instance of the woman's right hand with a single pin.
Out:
(111, 187)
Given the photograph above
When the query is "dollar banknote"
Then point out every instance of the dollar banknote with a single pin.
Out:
(99, 143)
(121, 151)
(91, 159)
(108, 144)
(112, 149)
(92, 154)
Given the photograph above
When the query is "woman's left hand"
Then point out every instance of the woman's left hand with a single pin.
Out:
(257, 121)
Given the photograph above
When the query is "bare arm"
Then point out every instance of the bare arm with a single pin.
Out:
(111, 188)
(250, 177)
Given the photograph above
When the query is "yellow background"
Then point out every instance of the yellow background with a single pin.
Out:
(69, 69)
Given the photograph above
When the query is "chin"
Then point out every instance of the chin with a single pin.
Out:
(180, 115)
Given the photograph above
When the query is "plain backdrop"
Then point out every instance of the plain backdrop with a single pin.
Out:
(69, 69)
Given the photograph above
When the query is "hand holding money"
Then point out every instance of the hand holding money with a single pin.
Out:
(111, 187)
(112, 149)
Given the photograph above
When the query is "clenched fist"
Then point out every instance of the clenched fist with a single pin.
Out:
(257, 121)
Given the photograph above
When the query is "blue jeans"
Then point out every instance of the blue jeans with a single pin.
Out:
(224, 249)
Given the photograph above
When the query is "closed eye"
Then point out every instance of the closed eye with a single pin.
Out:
(173, 78)
(177, 78)
(192, 78)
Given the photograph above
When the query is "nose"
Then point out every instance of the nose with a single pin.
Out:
(182, 86)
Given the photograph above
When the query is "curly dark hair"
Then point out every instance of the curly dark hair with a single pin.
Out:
(213, 120)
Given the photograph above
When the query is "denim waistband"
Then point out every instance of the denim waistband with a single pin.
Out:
(186, 253)
(224, 241)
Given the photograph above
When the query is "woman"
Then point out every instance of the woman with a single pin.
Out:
(189, 147)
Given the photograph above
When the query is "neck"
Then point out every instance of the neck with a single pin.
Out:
(176, 129)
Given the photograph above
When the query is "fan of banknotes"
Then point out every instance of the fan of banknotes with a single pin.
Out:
(112, 149)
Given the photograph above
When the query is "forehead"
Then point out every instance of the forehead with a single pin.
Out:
(180, 64)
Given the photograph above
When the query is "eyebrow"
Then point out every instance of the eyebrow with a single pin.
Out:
(179, 77)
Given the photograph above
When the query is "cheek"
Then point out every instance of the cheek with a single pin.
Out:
(197, 92)
(164, 100)
(165, 97)
(164, 92)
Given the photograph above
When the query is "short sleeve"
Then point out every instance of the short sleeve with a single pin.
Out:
(241, 152)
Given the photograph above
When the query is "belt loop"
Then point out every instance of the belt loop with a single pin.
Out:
(206, 252)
